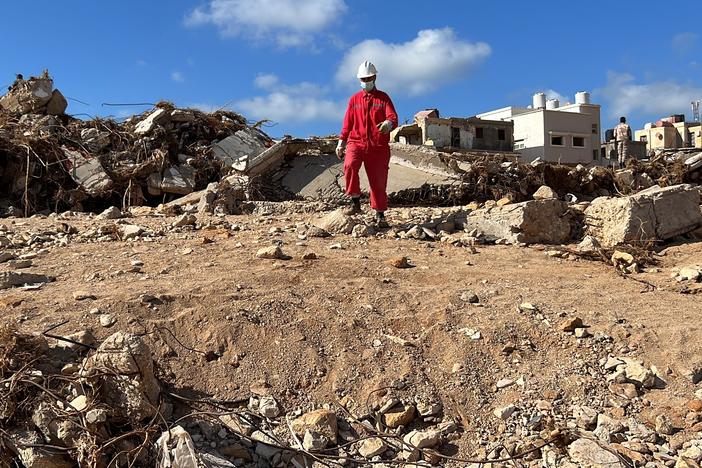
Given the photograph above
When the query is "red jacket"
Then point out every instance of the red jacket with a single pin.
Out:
(364, 113)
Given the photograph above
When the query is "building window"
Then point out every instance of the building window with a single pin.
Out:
(594, 129)
(556, 141)
(578, 142)
(501, 135)
(643, 138)
(478, 132)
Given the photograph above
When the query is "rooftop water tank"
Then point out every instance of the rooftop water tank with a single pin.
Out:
(583, 97)
(539, 101)
(552, 104)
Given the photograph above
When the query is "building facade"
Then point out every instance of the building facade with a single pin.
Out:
(671, 132)
(567, 134)
(456, 133)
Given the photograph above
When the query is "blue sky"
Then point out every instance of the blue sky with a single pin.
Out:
(294, 61)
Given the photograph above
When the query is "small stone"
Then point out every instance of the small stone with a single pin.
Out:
(111, 213)
(581, 333)
(528, 307)
(268, 407)
(79, 403)
(336, 247)
(625, 390)
(689, 274)
(313, 441)
(130, 231)
(107, 320)
(399, 418)
(372, 447)
(545, 193)
(588, 453)
(457, 367)
(571, 324)
(185, 220)
(400, 262)
(695, 405)
(422, 439)
(663, 425)
(509, 348)
(504, 413)
(470, 297)
(83, 295)
(271, 253)
(95, 416)
(310, 256)
(504, 383)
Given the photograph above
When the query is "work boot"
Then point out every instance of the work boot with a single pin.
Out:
(380, 220)
(355, 207)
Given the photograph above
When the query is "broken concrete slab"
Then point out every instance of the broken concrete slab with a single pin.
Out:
(122, 369)
(236, 150)
(654, 214)
(57, 104)
(28, 96)
(531, 222)
(12, 279)
(33, 452)
(178, 179)
(694, 162)
(87, 171)
(157, 117)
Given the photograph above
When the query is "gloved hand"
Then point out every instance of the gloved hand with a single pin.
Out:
(340, 148)
(385, 127)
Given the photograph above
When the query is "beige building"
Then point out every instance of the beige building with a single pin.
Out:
(567, 134)
(668, 134)
(455, 133)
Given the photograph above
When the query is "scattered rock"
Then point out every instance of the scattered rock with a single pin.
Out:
(12, 279)
(587, 453)
(403, 417)
(111, 213)
(372, 447)
(569, 325)
(470, 297)
(122, 370)
(107, 320)
(545, 193)
(581, 333)
(400, 262)
(505, 412)
(337, 222)
(83, 295)
(273, 252)
(268, 407)
(185, 220)
(320, 421)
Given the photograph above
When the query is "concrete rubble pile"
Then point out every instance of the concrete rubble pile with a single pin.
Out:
(50, 161)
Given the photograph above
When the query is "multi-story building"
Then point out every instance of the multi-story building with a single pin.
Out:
(567, 134)
(671, 132)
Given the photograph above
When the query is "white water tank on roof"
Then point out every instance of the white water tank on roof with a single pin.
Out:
(552, 104)
(583, 97)
(539, 101)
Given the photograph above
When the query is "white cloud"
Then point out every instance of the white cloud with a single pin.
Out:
(266, 81)
(292, 23)
(177, 76)
(433, 58)
(684, 42)
(552, 94)
(658, 98)
(290, 104)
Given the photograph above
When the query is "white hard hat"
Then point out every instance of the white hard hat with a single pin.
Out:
(366, 69)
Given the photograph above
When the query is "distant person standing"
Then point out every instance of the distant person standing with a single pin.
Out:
(364, 139)
(622, 135)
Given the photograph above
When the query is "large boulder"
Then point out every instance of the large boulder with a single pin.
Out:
(122, 368)
(531, 222)
(654, 214)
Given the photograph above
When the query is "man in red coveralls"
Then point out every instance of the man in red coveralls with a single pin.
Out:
(365, 138)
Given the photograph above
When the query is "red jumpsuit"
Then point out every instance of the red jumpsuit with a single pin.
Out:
(366, 145)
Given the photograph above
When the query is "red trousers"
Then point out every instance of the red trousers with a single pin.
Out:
(376, 161)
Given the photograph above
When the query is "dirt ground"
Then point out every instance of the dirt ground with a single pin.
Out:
(322, 331)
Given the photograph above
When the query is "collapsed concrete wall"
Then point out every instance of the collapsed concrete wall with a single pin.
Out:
(654, 214)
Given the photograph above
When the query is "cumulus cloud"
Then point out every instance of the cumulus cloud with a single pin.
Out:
(290, 104)
(290, 23)
(624, 95)
(553, 94)
(684, 42)
(433, 58)
(177, 76)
